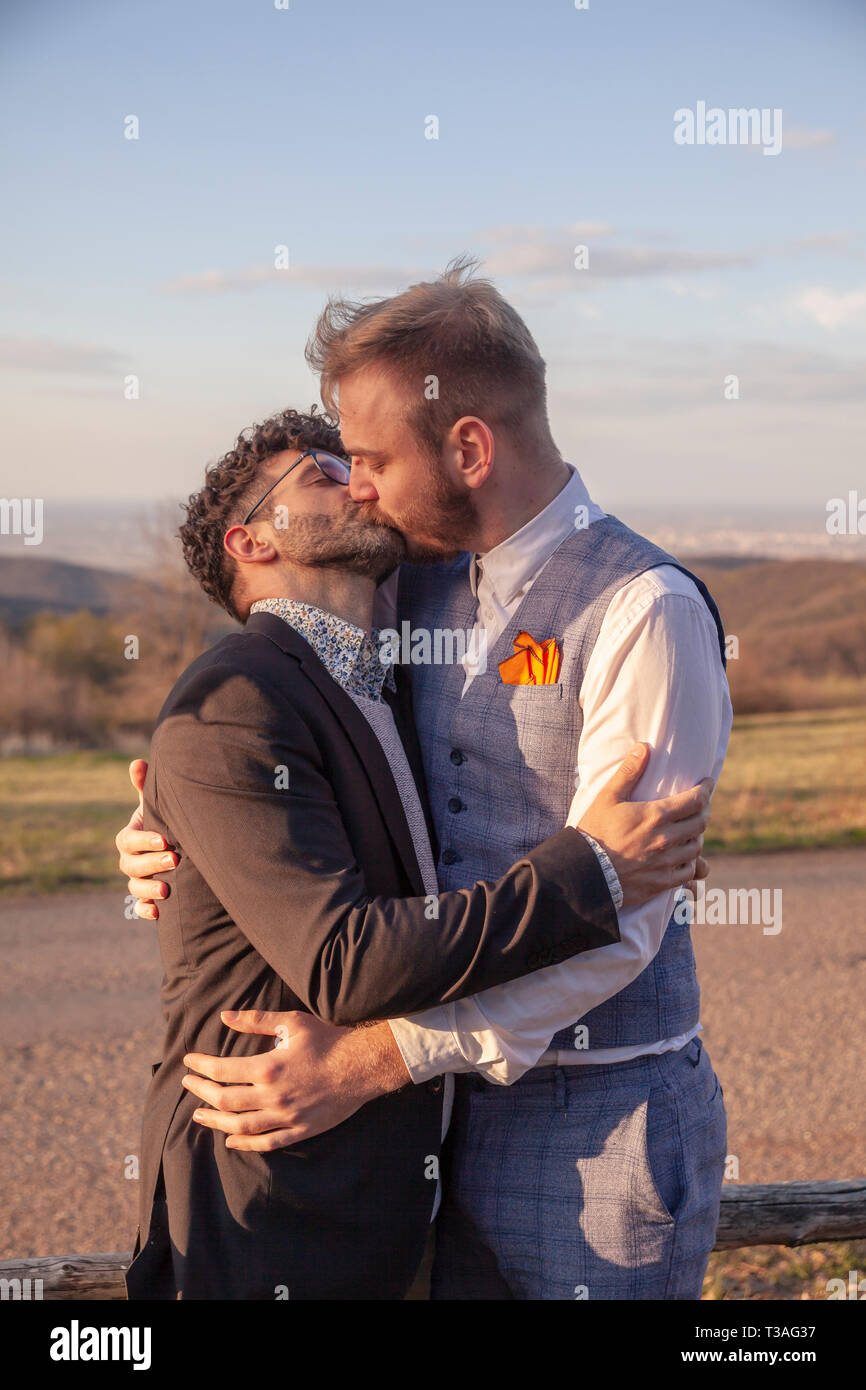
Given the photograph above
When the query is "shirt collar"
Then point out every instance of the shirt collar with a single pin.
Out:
(509, 566)
(351, 657)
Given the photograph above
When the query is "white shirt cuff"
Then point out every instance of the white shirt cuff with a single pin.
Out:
(429, 1049)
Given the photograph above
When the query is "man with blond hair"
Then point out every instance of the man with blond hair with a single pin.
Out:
(586, 1151)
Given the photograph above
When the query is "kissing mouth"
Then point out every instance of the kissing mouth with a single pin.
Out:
(371, 516)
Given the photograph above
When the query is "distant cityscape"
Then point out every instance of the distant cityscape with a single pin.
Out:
(120, 535)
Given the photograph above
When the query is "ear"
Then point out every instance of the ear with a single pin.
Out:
(247, 548)
(473, 450)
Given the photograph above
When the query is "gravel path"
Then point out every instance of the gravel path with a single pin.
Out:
(79, 1028)
(784, 1016)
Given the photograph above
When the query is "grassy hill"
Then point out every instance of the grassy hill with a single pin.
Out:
(30, 584)
(801, 626)
(89, 654)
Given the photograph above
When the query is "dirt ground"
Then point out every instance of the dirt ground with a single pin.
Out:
(79, 1027)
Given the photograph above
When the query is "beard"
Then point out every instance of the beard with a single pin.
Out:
(352, 541)
(438, 523)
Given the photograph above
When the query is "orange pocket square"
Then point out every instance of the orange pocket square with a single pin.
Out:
(533, 663)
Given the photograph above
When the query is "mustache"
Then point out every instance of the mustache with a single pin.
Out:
(371, 515)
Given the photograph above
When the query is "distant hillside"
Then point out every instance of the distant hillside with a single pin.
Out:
(88, 655)
(30, 584)
(801, 626)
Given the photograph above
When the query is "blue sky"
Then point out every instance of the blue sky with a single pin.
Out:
(262, 127)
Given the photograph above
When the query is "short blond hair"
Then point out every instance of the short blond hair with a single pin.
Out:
(458, 330)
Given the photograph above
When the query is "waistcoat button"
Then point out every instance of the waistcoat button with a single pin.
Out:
(455, 804)
(457, 757)
(450, 856)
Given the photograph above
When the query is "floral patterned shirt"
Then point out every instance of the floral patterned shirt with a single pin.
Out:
(347, 653)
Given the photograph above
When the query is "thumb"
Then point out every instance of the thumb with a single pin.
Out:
(137, 775)
(623, 782)
(258, 1020)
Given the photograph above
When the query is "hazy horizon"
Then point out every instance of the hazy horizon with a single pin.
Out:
(281, 155)
(116, 534)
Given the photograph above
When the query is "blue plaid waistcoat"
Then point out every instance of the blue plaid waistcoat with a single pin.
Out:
(500, 763)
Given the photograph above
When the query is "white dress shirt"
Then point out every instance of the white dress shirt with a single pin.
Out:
(654, 676)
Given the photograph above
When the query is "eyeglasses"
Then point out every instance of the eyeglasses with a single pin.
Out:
(336, 470)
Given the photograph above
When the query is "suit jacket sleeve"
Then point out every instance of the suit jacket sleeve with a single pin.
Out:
(240, 781)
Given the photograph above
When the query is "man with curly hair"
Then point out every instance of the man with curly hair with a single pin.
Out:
(286, 790)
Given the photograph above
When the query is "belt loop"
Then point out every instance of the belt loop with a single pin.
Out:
(698, 1049)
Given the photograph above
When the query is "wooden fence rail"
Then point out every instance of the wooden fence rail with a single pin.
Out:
(776, 1213)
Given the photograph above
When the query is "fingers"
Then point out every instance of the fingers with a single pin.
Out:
(682, 805)
(682, 874)
(148, 911)
(148, 889)
(130, 840)
(702, 870)
(254, 1130)
(242, 1070)
(138, 773)
(141, 866)
(260, 1020)
(670, 876)
(665, 873)
(676, 832)
(233, 1099)
(682, 853)
(266, 1143)
(623, 782)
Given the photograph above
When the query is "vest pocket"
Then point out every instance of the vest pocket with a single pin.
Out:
(532, 725)
(520, 694)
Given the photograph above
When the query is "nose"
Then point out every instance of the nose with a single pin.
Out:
(361, 487)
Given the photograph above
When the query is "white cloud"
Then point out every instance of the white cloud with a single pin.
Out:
(593, 229)
(331, 277)
(797, 137)
(53, 355)
(541, 256)
(832, 308)
(555, 257)
(823, 241)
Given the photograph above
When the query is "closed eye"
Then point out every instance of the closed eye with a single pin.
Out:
(311, 474)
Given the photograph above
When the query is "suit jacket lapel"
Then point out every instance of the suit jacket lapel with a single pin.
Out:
(367, 746)
(401, 706)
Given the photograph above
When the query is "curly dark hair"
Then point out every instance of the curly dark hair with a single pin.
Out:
(230, 490)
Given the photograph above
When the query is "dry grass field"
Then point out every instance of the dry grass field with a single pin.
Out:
(792, 781)
(59, 814)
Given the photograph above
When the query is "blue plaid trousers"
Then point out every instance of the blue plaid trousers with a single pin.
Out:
(583, 1182)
